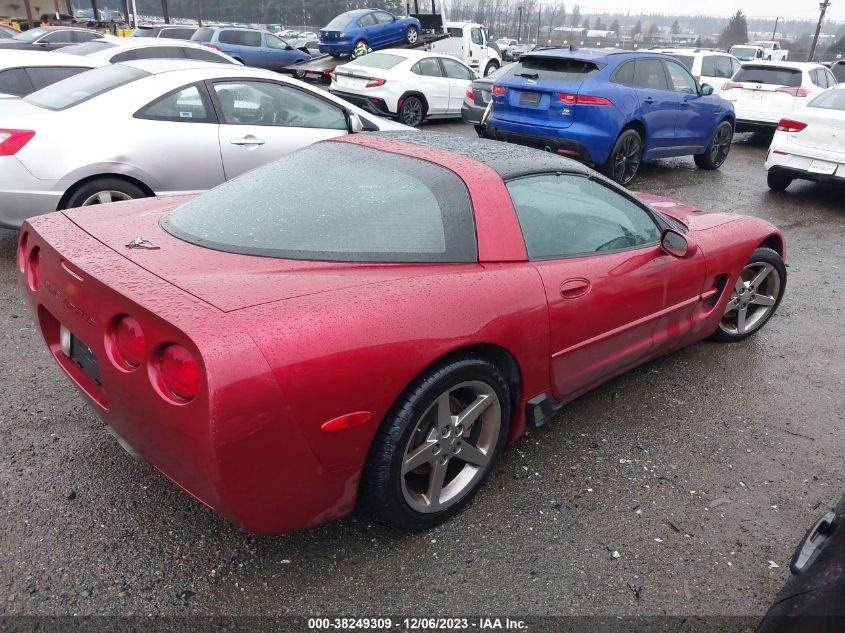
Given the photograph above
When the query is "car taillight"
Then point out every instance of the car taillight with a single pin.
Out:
(499, 90)
(795, 92)
(12, 140)
(788, 125)
(730, 85)
(470, 93)
(32, 265)
(214, 46)
(129, 341)
(180, 372)
(22, 250)
(571, 99)
(374, 82)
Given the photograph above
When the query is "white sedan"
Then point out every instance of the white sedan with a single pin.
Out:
(410, 85)
(810, 143)
(763, 92)
(130, 49)
(167, 127)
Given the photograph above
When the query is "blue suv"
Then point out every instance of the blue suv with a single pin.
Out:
(374, 27)
(252, 47)
(610, 109)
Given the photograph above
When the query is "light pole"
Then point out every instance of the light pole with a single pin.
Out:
(823, 7)
(519, 29)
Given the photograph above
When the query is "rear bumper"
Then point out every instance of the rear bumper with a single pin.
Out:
(236, 448)
(337, 48)
(795, 161)
(22, 195)
(373, 105)
(471, 113)
(563, 142)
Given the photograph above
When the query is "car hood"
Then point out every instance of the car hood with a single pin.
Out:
(227, 281)
(693, 218)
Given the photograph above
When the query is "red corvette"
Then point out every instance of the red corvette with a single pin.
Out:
(379, 345)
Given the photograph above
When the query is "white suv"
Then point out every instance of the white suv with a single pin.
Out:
(708, 66)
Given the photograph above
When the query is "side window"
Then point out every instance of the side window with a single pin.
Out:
(250, 38)
(14, 82)
(185, 105)
(274, 42)
(229, 37)
(649, 73)
(428, 67)
(204, 55)
(367, 20)
(735, 66)
(383, 18)
(59, 37)
(624, 74)
(814, 77)
(724, 67)
(83, 36)
(831, 80)
(563, 215)
(681, 80)
(709, 66)
(455, 31)
(42, 76)
(456, 70)
(269, 103)
(475, 36)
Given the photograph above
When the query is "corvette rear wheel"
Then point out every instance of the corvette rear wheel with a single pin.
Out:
(412, 35)
(437, 445)
(718, 149)
(754, 298)
(625, 158)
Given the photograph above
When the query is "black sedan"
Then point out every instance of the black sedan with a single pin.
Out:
(48, 38)
(475, 104)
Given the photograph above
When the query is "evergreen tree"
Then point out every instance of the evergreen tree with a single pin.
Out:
(599, 25)
(676, 27)
(575, 16)
(615, 26)
(638, 28)
(736, 32)
(586, 24)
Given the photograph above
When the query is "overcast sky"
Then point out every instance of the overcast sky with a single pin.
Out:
(808, 9)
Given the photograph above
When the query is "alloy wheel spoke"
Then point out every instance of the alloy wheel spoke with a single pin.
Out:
(732, 305)
(466, 418)
(104, 197)
(740, 285)
(435, 483)
(763, 300)
(740, 319)
(472, 455)
(759, 277)
(422, 454)
(445, 419)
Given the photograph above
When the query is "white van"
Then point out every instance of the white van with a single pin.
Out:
(470, 43)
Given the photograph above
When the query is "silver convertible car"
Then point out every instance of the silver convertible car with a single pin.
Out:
(154, 127)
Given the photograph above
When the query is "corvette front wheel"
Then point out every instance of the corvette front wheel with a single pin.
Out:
(754, 298)
(437, 445)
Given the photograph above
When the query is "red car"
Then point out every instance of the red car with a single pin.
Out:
(282, 362)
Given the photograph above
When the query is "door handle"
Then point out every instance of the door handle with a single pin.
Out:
(574, 288)
(649, 100)
(684, 104)
(247, 140)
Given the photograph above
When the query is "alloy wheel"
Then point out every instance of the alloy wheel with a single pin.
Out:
(104, 197)
(753, 298)
(626, 161)
(412, 112)
(721, 145)
(451, 447)
(412, 35)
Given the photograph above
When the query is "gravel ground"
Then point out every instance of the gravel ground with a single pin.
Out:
(691, 478)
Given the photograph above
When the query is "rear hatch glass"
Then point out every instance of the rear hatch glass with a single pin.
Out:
(202, 35)
(533, 89)
(766, 89)
(771, 75)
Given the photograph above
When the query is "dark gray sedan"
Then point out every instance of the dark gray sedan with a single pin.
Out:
(473, 108)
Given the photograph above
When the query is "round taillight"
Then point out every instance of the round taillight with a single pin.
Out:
(180, 372)
(32, 265)
(22, 251)
(129, 341)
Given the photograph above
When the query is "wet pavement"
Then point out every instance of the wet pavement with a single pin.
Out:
(691, 478)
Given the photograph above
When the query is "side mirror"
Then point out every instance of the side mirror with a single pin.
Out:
(676, 244)
(356, 126)
(706, 89)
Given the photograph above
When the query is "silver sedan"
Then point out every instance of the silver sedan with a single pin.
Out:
(156, 127)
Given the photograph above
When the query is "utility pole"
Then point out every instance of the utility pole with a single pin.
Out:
(539, 18)
(199, 12)
(777, 19)
(823, 7)
(519, 30)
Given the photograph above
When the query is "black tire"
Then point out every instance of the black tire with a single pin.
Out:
(412, 111)
(412, 35)
(778, 182)
(762, 257)
(335, 55)
(491, 68)
(479, 129)
(625, 158)
(381, 492)
(718, 148)
(119, 190)
(299, 74)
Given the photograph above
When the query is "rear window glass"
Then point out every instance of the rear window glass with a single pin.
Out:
(744, 52)
(84, 86)
(240, 38)
(455, 31)
(774, 75)
(554, 69)
(831, 99)
(87, 48)
(357, 219)
(839, 71)
(203, 35)
(339, 22)
(144, 31)
(687, 60)
(377, 60)
(177, 34)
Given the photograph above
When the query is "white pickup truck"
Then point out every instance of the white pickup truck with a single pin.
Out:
(772, 51)
(470, 43)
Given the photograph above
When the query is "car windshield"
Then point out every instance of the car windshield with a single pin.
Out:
(381, 207)
(772, 75)
(73, 91)
(340, 22)
(88, 47)
(686, 60)
(30, 36)
(831, 99)
(743, 52)
(554, 68)
(377, 60)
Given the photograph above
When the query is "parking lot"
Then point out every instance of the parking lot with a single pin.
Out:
(681, 488)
